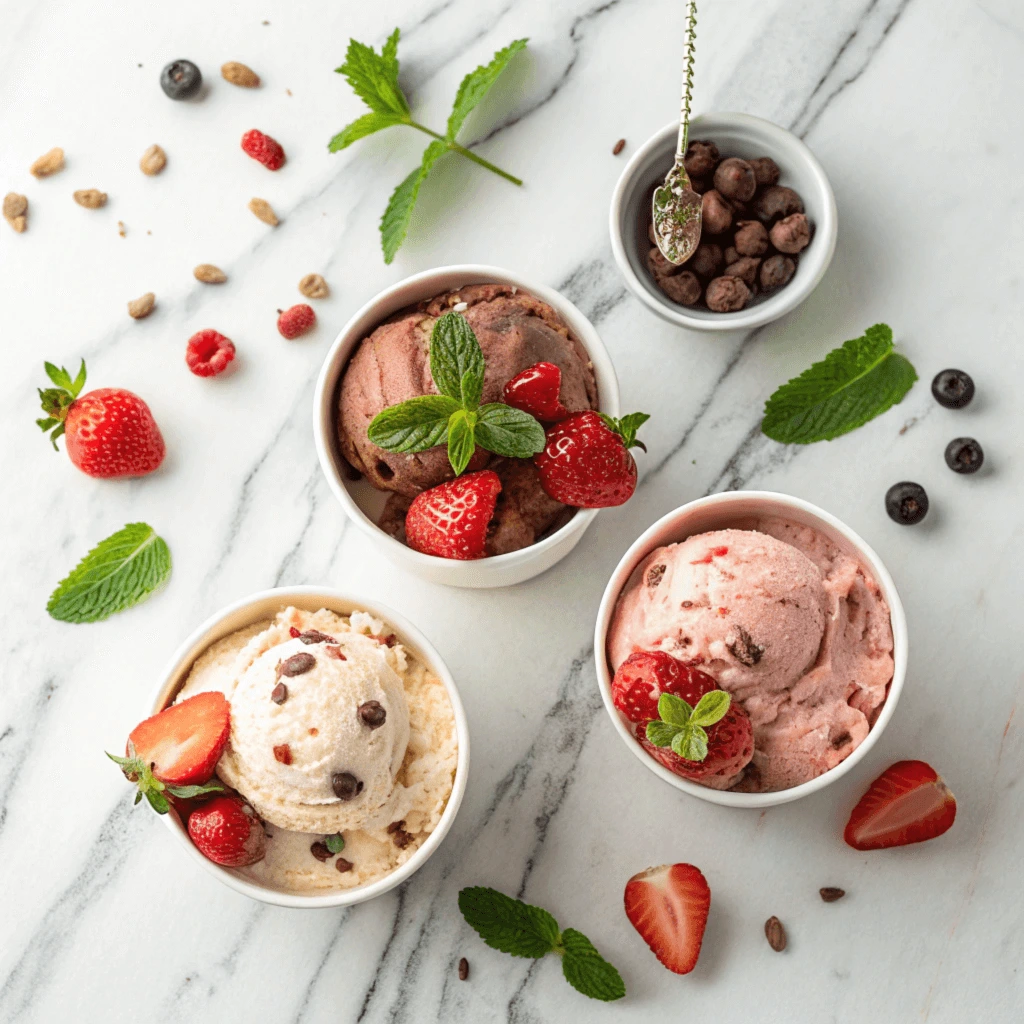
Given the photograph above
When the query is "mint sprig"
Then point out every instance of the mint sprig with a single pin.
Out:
(119, 572)
(149, 786)
(455, 416)
(683, 728)
(852, 385)
(520, 929)
(374, 79)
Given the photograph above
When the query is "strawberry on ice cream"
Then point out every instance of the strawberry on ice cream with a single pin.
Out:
(795, 629)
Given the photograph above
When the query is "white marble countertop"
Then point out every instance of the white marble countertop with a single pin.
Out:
(910, 106)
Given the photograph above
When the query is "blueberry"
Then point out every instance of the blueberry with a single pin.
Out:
(906, 503)
(964, 455)
(953, 388)
(181, 79)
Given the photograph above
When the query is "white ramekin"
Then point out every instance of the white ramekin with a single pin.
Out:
(738, 509)
(362, 502)
(265, 605)
(739, 135)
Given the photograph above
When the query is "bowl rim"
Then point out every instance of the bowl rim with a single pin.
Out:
(341, 350)
(643, 546)
(786, 299)
(344, 602)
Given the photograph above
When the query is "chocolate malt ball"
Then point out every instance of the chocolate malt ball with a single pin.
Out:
(766, 170)
(777, 201)
(745, 268)
(700, 185)
(716, 213)
(734, 178)
(776, 271)
(700, 159)
(658, 265)
(727, 294)
(707, 260)
(683, 288)
(751, 238)
(792, 234)
(731, 255)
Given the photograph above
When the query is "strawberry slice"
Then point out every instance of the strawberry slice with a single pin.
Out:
(183, 743)
(645, 675)
(227, 831)
(451, 520)
(668, 905)
(535, 390)
(907, 803)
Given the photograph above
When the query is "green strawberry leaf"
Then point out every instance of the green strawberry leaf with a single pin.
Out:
(456, 359)
(335, 843)
(852, 385)
(57, 400)
(374, 77)
(587, 971)
(461, 443)
(394, 224)
(375, 121)
(119, 572)
(157, 801)
(691, 743)
(661, 734)
(509, 432)
(477, 84)
(627, 427)
(711, 708)
(508, 925)
(188, 792)
(674, 710)
(414, 425)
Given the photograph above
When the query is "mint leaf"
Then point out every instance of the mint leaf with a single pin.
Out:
(414, 425)
(455, 354)
(477, 84)
(674, 710)
(363, 126)
(374, 77)
(587, 971)
(119, 572)
(508, 925)
(852, 385)
(711, 708)
(335, 843)
(661, 734)
(461, 443)
(691, 743)
(394, 224)
(509, 432)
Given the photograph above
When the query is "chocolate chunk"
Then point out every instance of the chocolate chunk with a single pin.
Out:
(726, 294)
(296, 665)
(743, 648)
(841, 740)
(395, 826)
(346, 786)
(777, 271)
(463, 969)
(279, 694)
(751, 238)
(373, 713)
(402, 839)
(654, 575)
(684, 288)
(320, 851)
(343, 865)
(314, 636)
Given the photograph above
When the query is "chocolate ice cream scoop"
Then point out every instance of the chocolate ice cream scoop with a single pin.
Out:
(515, 330)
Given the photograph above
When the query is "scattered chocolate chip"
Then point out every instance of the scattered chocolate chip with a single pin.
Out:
(373, 713)
(841, 740)
(279, 694)
(775, 934)
(334, 651)
(619, 147)
(343, 865)
(743, 648)
(296, 665)
(283, 753)
(401, 838)
(654, 575)
(463, 969)
(320, 851)
(395, 826)
(314, 636)
(686, 604)
(345, 785)
(830, 893)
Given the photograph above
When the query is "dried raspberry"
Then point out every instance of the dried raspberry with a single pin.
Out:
(208, 353)
(295, 321)
(262, 147)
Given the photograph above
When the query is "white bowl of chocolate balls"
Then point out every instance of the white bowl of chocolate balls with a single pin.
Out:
(768, 224)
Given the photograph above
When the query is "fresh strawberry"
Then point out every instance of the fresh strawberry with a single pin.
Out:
(109, 432)
(263, 148)
(451, 520)
(535, 391)
(586, 462)
(730, 748)
(208, 353)
(645, 675)
(227, 831)
(907, 803)
(668, 905)
(295, 321)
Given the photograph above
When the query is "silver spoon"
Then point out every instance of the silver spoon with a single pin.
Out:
(675, 207)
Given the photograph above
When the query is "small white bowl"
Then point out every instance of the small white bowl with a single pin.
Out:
(363, 503)
(737, 509)
(265, 605)
(739, 135)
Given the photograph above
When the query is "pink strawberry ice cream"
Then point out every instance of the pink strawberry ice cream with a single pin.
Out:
(794, 628)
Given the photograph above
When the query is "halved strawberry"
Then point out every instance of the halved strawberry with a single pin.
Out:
(668, 905)
(183, 743)
(535, 390)
(645, 675)
(451, 520)
(907, 803)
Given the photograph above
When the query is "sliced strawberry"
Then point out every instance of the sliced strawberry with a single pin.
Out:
(645, 675)
(228, 831)
(535, 390)
(668, 905)
(907, 803)
(183, 743)
(451, 520)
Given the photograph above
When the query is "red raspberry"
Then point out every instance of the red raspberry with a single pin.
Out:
(295, 321)
(262, 147)
(208, 353)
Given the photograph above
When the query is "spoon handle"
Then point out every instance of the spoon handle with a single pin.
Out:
(688, 47)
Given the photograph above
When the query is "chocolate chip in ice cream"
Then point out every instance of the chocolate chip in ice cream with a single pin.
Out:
(654, 575)
(346, 786)
(373, 713)
(296, 665)
(743, 648)
(320, 851)
(314, 636)
(401, 838)
(343, 865)
(279, 694)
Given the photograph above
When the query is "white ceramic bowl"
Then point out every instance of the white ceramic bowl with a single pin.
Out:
(265, 605)
(739, 135)
(363, 503)
(737, 509)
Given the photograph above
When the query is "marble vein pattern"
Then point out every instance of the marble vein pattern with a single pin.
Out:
(911, 105)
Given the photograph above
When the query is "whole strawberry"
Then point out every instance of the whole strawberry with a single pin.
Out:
(109, 432)
(296, 321)
(535, 390)
(451, 520)
(263, 148)
(227, 831)
(586, 461)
